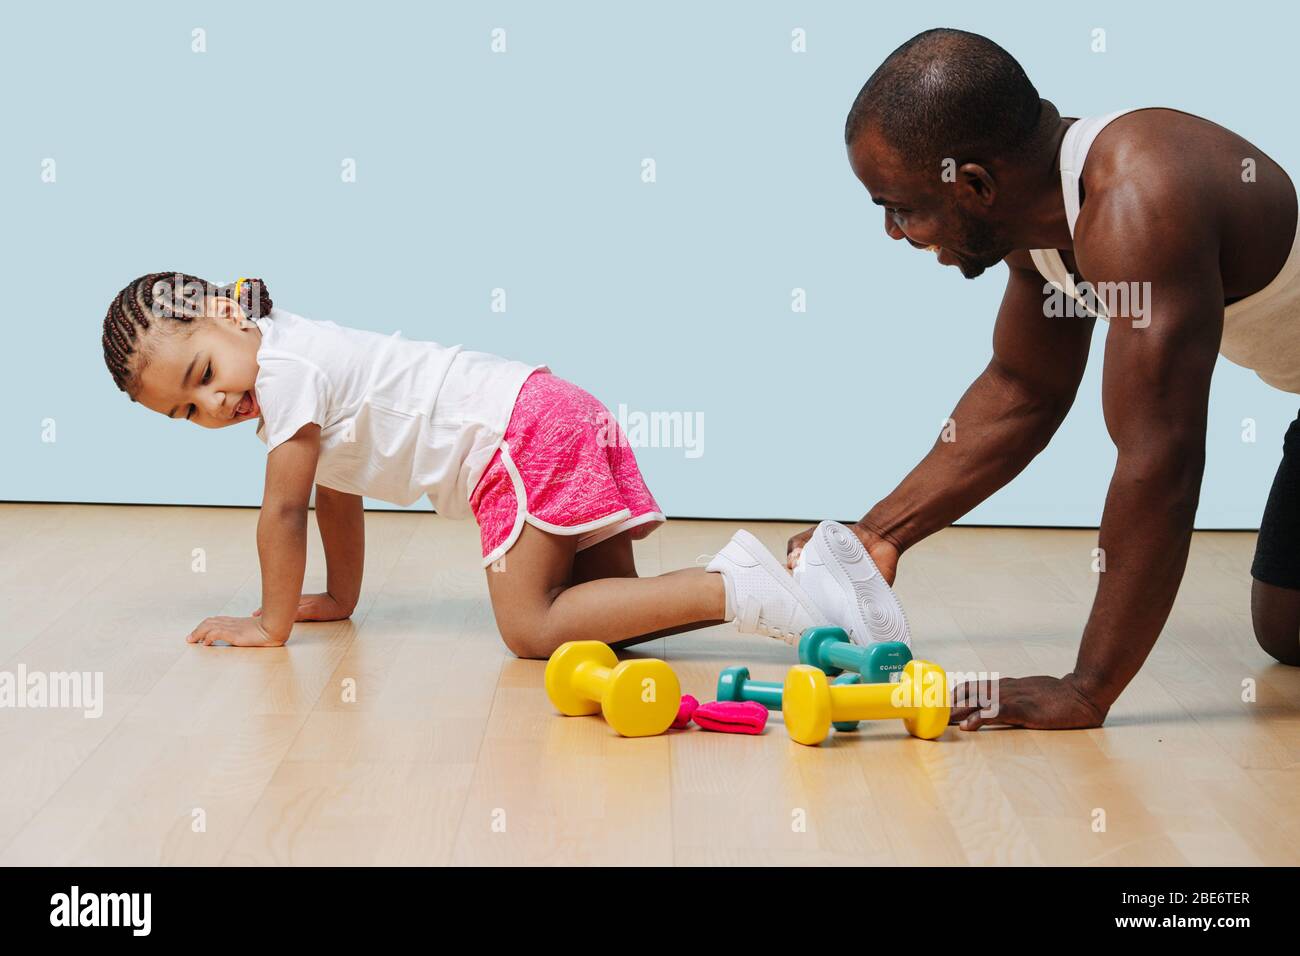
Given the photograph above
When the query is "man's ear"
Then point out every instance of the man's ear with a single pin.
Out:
(979, 181)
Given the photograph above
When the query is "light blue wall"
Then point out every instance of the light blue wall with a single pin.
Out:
(479, 170)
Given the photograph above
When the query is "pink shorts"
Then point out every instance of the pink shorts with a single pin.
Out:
(564, 466)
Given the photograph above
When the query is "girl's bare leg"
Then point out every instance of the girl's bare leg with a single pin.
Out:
(612, 558)
(538, 607)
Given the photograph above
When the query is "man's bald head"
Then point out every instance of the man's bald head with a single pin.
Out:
(947, 93)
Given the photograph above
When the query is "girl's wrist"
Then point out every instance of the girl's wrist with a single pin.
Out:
(274, 635)
(345, 607)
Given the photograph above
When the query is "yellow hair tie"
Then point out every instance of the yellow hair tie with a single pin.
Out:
(237, 285)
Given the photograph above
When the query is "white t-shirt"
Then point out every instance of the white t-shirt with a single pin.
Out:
(399, 418)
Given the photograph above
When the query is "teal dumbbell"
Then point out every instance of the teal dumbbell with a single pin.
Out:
(734, 684)
(829, 650)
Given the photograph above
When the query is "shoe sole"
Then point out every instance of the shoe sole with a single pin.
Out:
(754, 548)
(841, 549)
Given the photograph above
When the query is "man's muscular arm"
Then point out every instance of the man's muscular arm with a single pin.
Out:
(1155, 392)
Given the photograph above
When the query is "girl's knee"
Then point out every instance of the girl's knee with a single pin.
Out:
(1275, 614)
(529, 633)
(524, 641)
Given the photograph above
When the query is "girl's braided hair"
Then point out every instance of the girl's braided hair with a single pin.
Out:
(169, 302)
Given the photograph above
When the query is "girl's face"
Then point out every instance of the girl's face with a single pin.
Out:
(206, 377)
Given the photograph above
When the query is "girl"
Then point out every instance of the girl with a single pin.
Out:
(540, 464)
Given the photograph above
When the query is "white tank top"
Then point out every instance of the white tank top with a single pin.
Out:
(1260, 332)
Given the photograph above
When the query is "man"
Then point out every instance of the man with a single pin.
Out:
(1178, 232)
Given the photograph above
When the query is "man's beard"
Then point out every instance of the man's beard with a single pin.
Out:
(983, 247)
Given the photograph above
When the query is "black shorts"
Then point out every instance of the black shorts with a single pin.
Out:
(1277, 552)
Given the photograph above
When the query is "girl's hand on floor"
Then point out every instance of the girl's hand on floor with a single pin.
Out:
(238, 631)
(318, 607)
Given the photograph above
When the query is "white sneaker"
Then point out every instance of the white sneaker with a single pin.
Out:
(836, 571)
(762, 596)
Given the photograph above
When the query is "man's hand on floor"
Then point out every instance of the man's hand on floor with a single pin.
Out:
(1036, 703)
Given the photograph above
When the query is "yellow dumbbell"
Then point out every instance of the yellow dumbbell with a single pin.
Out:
(810, 704)
(638, 698)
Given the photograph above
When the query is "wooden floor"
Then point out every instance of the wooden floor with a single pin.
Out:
(451, 753)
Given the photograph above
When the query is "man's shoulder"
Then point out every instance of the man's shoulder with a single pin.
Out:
(1158, 161)
(1154, 180)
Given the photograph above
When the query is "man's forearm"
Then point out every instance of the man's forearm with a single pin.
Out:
(998, 428)
(1146, 532)
(282, 550)
(342, 524)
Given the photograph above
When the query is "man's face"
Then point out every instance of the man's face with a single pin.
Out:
(206, 377)
(948, 218)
